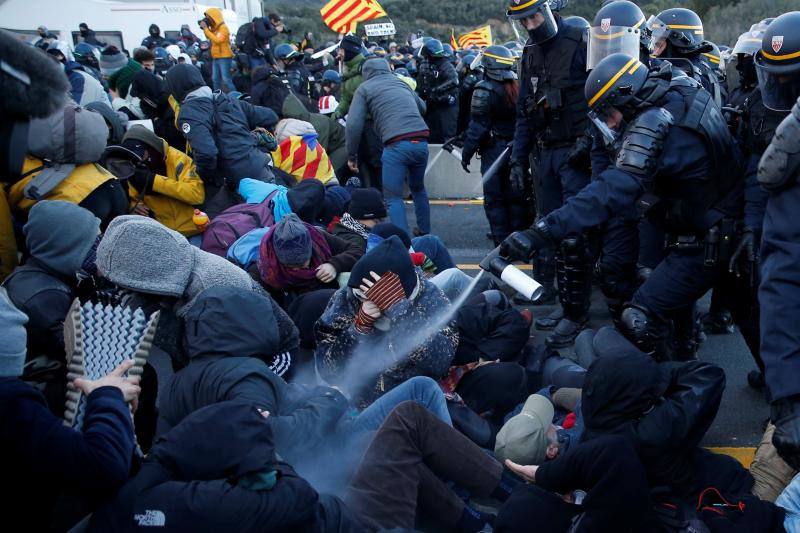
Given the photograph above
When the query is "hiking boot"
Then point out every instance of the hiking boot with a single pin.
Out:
(755, 378)
(550, 321)
(565, 333)
(97, 339)
(718, 323)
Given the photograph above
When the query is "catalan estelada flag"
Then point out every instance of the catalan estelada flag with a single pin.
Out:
(342, 15)
(453, 41)
(478, 37)
(303, 157)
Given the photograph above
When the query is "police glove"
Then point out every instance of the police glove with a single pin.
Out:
(521, 245)
(519, 177)
(142, 179)
(579, 155)
(785, 414)
(745, 254)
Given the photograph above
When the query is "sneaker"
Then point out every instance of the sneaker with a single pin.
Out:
(564, 334)
(97, 339)
(550, 321)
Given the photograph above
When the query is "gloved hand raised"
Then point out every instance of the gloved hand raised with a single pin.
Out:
(521, 245)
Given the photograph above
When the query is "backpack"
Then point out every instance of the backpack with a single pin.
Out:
(242, 34)
(228, 226)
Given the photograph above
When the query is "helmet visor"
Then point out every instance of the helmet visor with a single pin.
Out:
(779, 91)
(749, 43)
(604, 41)
(660, 30)
(541, 21)
(599, 117)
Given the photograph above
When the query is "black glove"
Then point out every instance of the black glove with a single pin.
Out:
(745, 254)
(142, 179)
(521, 245)
(579, 156)
(785, 414)
(465, 164)
(519, 177)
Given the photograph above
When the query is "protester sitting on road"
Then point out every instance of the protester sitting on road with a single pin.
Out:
(430, 245)
(388, 325)
(366, 209)
(337, 198)
(154, 102)
(42, 457)
(85, 88)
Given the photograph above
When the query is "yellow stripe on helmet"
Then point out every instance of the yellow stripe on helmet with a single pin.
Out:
(635, 26)
(711, 57)
(683, 27)
(608, 37)
(523, 6)
(780, 58)
(613, 80)
(501, 59)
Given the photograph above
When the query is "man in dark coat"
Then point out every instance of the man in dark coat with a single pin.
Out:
(154, 38)
(88, 35)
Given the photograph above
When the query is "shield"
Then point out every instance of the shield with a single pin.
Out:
(605, 24)
(777, 43)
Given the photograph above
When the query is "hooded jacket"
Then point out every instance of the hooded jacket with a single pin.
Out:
(395, 109)
(154, 38)
(44, 287)
(85, 88)
(80, 183)
(229, 351)
(170, 197)
(269, 88)
(154, 102)
(198, 478)
(219, 35)
(218, 128)
(351, 79)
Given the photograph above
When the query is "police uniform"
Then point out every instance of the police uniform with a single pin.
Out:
(438, 86)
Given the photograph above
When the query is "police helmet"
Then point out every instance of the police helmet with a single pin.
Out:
(86, 53)
(618, 28)
(679, 27)
(539, 10)
(714, 58)
(778, 62)
(497, 62)
(466, 63)
(578, 22)
(448, 50)
(286, 52)
(749, 43)
(433, 48)
(379, 51)
(331, 76)
(611, 86)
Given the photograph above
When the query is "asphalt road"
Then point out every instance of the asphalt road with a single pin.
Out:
(463, 229)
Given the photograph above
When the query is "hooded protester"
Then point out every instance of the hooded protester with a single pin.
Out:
(216, 31)
(41, 455)
(296, 257)
(154, 38)
(187, 36)
(218, 129)
(84, 87)
(173, 272)
(351, 52)
(154, 102)
(198, 478)
(366, 209)
(337, 198)
(269, 89)
(88, 57)
(376, 331)
(44, 38)
(664, 410)
(88, 35)
(115, 120)
(118, 69)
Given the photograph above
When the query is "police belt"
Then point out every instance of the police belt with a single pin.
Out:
(717, 244)
(547, 145)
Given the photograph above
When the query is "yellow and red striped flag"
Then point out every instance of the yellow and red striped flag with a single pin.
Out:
(453, 41)
(478, 37)
(342, 15)
(304, 158)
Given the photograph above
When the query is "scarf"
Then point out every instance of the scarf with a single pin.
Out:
(277, 276)
(354, 225)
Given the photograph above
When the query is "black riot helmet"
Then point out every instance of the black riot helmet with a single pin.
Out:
(682, 31)
(778, 62)
(539, 10)
(433, 48)
(618, 28)
(497, 62)
(578, 22)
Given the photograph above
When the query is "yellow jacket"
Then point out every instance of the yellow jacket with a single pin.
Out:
(219, 35)
(8, 243)
(75, 188)
(174, 195)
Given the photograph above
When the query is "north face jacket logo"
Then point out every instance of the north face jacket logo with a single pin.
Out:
(151, 518)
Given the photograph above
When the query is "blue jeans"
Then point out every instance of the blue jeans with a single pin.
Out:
(433, 247)
(221, 71)
(420, 389)
(406, 160)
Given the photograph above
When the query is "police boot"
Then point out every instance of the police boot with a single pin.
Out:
(646, 331)
(718, 322)
(565, 332)
(785, 414)
(575, 289)
(550, 321)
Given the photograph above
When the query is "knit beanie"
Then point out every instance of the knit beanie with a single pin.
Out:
(111, 60)
(15, 338)
(335, 204)
(387, 229)
(122, 79)
(391, 255)
(367, 204)
(306, 199)
(352, 46)
(291, 241)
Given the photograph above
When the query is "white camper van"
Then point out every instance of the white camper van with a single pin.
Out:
(123, 23)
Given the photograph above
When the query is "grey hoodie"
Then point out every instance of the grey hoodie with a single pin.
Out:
(395, 109)
(62, 251)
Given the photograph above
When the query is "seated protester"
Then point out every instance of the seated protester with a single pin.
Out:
(218, 129)
(365, 211)
(372, 330)
(42, 456)
(337, 198)
(77, 178)
(229, 355)
(665, 410)
(45, 286)
(303, 157)
(430, 246)
(119, 70)
(170, 273)
(304, 311)
(85, 88)
(198, 478)
(164, 185)
(330, 133)
(116, 121)
(154, 103)
(296, 257)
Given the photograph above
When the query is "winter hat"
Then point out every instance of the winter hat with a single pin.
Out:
(335, 204)
(306, 199)
(174, 51)
(15, 338)
(62, 251)
(327, 104)
(137, 132)
(352, 46)
(290, 127)
(111, 60)
(390, 255)
(62, 48)
(523, 439)
(141, 254)
(387, 229)
(291, 241)
(367, 204)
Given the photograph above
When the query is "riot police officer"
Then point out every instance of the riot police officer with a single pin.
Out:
(551, 116)
(674, 160)
(468, 78)
(491, 129)
(437, 84)
(778, 69)
(290, 62)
